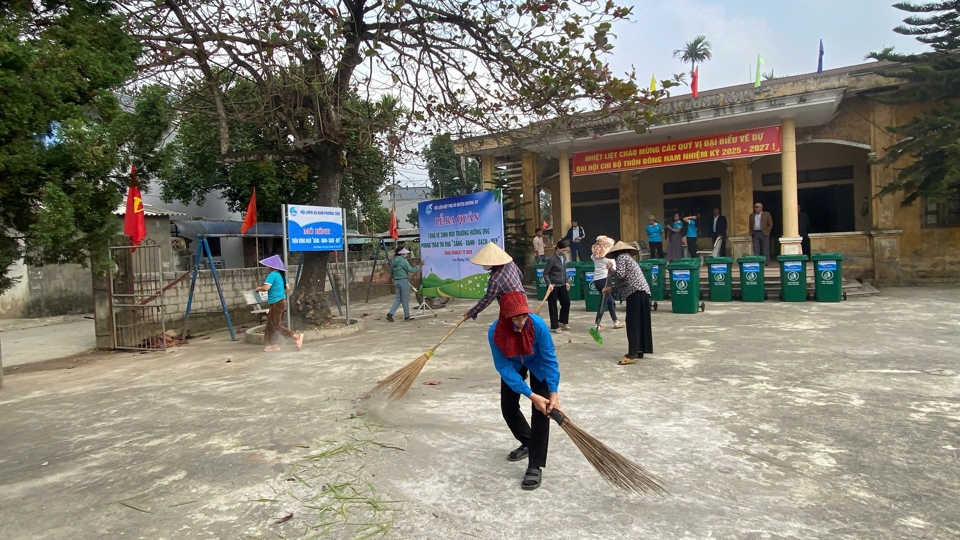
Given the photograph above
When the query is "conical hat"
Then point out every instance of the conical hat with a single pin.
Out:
(274, 262)
(622, 246)
(491, 255)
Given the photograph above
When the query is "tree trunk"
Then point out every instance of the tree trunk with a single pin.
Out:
(309, 304)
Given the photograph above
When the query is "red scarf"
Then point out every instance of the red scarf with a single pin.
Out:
(510, 342)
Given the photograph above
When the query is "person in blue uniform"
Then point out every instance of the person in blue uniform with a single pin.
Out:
(521, 344)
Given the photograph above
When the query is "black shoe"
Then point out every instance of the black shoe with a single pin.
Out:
(520, 453)
(532, 479)
(389, 317)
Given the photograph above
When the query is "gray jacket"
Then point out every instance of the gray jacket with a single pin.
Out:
(555, 272)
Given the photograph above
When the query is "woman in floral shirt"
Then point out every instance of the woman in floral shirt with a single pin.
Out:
(632, 287)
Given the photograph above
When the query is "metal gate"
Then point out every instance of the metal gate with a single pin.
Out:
(136, 296)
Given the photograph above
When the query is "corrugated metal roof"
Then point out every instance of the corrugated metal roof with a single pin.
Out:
(148, 210)
(190, 229)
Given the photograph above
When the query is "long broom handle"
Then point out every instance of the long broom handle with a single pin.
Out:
(549, 290)
(452, 330)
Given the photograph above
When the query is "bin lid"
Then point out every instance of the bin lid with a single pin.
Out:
(684, 264)
(539, 265)
(792, 258)
(656, 261)
(719, 260)
(828, 257)
(690, 259)
(646, 265)
(752, 258)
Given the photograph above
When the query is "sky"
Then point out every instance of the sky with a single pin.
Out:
(785, 33)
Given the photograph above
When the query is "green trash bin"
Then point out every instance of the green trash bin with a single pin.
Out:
(658, 285)
(591, 294)
(575, 271)
(685, 285)
(828, 277)
(793, 278)
(721, 283)
(541, 281)
(751, 278)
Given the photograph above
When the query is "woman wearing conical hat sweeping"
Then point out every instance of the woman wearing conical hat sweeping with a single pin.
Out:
(521, 343)
(504, 277)
(277, 289)
(632, 287)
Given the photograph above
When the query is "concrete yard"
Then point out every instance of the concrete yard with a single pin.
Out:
(779, 421)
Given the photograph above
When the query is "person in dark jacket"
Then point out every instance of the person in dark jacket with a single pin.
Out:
(555, 273)
(521, 344)
(575, 237)
(718, 229)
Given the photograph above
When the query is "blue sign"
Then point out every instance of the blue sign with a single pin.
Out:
(751, 267)
(571, 275)
(718, 269)
(655, 269)
(826, 265)
(588, 276)
(793, 266)
(315, 228)
(452, 230)
(681, 275)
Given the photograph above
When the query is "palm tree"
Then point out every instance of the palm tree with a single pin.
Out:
(695, 51)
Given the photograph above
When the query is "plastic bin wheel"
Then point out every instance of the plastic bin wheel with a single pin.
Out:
(703, 307)
(654, 306)
(844, 295)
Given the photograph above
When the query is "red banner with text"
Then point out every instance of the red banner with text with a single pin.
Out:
(737, 144)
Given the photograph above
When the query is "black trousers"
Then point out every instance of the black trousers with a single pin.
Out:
(607, 302)
(559, 293)
(656, 250)
(577, 251)
(536, 438)
(692, 247)
(639, 329)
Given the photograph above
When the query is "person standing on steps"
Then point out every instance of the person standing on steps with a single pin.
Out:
(276, 287)
(633, 287)
(574, 238)
(505, 277)
(520, 344)
(539, 252)
(555, 273)
(760, 225)
(691, 223)
(401, 269)
(718, 229)
(675, 238)
(655, 237)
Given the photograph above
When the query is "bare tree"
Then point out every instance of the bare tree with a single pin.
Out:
(466, 66)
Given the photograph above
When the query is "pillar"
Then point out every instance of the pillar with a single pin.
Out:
(739, 242)
(563, 201)
(629, 208)
(529, 172)
(790, 241)
(486, 173)
(885, 237)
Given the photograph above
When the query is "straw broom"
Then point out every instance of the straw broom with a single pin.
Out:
(402, 379)
(613, 467)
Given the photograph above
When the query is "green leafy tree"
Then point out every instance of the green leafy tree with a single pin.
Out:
(413, 217)
(929, 141)
(65, 139)
(449, 174)
(457, 66)
(697, 50)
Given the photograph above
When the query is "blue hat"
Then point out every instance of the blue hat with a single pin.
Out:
(274, 262)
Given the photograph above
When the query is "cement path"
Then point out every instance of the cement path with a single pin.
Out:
(39, 340)
(770, 421)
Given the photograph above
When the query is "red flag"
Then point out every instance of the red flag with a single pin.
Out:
(695, 82)
(393, 223)
(250, 219)
(134, 225)
(544, 225)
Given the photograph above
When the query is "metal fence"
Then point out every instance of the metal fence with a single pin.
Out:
(137, 298)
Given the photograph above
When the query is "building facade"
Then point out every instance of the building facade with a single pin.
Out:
(807, 141)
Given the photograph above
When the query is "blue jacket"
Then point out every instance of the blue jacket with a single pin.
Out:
(542, 363)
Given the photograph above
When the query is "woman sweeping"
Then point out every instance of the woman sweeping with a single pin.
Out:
(601, 278)
(277, 289)
(674, 238)
(401, 269)
(633, 287)
(521, 343)
(504, 277)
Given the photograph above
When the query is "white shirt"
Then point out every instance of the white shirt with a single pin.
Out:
(715, 218)
(756, 221)
(600, 267)
(576, 233)
(538, 245)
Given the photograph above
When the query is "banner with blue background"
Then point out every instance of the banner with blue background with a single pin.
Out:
(451, 231)
(314, 228)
